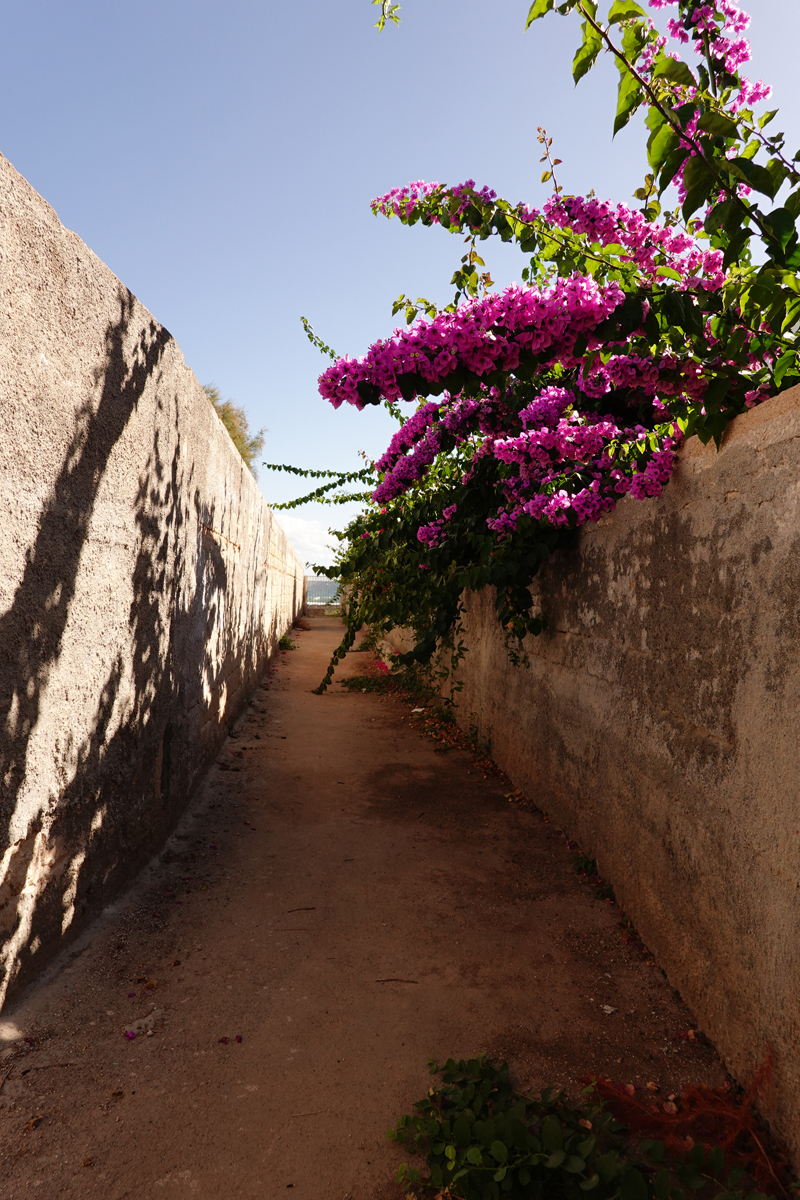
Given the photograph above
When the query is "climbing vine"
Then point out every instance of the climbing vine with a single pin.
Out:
(537, 408)
(322, 494)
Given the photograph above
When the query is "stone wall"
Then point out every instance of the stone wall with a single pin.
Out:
(659, 724)
(143, 582)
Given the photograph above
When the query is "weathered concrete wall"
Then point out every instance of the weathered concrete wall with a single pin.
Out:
(659, 723)
(143, 582)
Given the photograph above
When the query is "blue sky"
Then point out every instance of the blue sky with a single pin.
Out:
(220, 158)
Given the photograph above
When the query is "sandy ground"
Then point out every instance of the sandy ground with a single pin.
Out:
(348, 902)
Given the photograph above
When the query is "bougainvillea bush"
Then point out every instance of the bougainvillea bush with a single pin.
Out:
(527, 412)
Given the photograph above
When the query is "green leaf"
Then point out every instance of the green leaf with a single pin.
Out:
(675, 71)
(685, 112)
(501, 1174)
(718, 124)
(680, 309)
(474, 1156)
(709, 427)
(552, 1134)
(716, 1160)
(699, 183)
(778, 173)
(669, 273)
(654, 119)
(574, 1164)
(633, 1186)
(661, 1185)
(782, 223)
(766, 118)
(792, 315)
(462, 1130)
(629, 98)
(622, 10)
(671, 167)
(735, 247)
(499, 1151)
(634, 38)
(727, 215)
(539, 8)
(586, 55)
(586, 1185)
(555, 1159)
(606, 1164)
(786, 365)
(756, 176)
(661, 144)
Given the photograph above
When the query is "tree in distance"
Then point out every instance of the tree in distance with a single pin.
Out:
(234, 418)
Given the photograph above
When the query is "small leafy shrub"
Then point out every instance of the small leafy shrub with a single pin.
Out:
(484, 1141)
(286, 643)
(587, 866)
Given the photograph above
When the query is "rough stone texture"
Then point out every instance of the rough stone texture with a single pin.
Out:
(658, 723)
(143, 582)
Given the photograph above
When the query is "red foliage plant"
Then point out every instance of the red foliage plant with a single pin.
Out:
(712, 1116)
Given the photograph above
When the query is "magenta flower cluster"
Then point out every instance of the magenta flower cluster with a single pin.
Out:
(482, 335)
(434, 534)
(566, 465)
(576, 470)
(401, 202)
(723, 24)
(422, 435)
(648, 246)
(557, 463)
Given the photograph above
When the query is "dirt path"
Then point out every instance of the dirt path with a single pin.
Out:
(348, 902)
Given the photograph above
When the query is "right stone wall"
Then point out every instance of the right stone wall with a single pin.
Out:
(659, 724)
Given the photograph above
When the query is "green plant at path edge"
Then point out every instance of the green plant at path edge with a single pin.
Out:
(482, 1140)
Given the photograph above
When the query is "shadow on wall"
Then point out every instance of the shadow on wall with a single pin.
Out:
(124, 785)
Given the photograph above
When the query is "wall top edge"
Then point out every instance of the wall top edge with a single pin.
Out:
(781, 413)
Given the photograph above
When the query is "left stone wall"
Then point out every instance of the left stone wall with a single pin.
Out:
(144, 583)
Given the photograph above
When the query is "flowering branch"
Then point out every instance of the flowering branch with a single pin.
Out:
(723, 181)
(539, 408)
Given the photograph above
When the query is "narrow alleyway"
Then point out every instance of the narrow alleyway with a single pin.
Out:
(341, 903)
